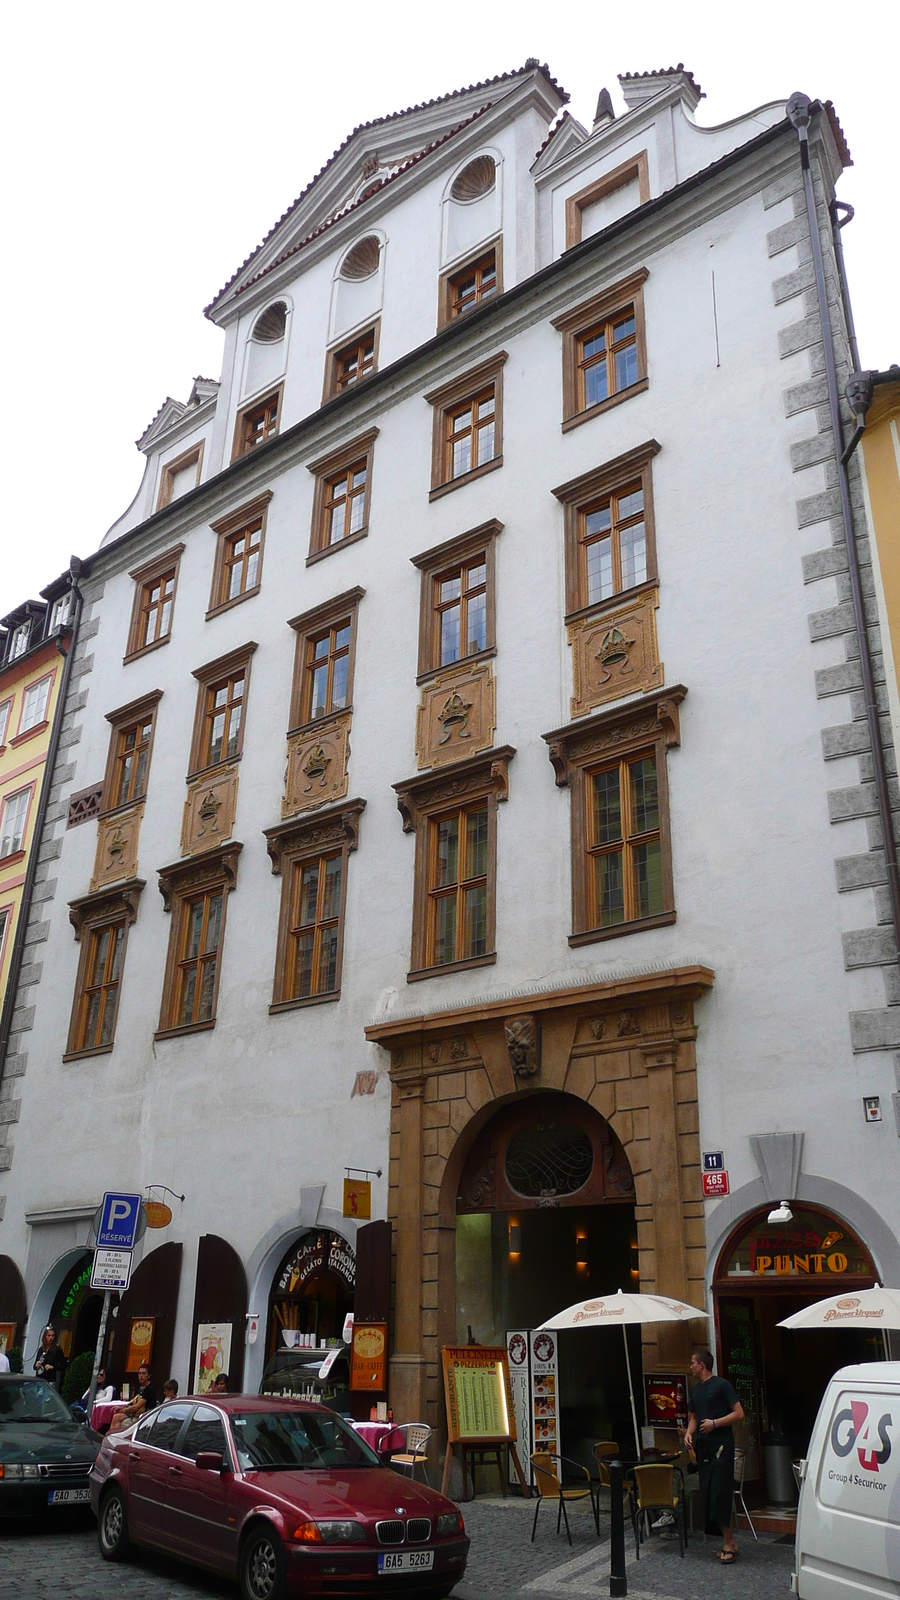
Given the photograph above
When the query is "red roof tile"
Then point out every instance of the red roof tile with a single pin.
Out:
(664, 72)
(837, 130)
(531, 65)
(566, 117)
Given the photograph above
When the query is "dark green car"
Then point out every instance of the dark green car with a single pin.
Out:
(45, 1455)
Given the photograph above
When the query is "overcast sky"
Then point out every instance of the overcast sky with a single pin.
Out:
(149, 148)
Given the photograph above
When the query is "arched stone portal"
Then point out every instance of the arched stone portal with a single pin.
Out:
(626, 1048)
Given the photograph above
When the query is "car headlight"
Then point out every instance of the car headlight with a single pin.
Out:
(14, 1472)
(450, 1522)
(342, 1532)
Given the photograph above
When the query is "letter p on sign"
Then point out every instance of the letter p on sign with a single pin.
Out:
(120, 1216)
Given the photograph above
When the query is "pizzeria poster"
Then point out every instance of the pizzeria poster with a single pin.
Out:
(666, 1395)
(476, 1386)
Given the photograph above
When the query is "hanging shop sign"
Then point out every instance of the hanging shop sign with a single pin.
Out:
(811, 1245)
(323, 1251)
(368, 1360)
(358, 1198)
(479, 1399)
(158, 1214)
(140, 1343)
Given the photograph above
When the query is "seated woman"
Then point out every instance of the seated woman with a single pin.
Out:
(144, 1400)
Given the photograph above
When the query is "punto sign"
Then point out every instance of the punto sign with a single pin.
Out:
(811, 1245)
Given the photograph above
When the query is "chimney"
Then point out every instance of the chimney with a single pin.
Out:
(604, 114)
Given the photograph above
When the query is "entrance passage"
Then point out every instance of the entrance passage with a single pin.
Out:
(545, 1218)
(766, 1272)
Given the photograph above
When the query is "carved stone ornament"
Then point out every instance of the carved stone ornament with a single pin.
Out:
(327, 830)
(103, 907)
(598, 1027)
(396, 1059)
(433, 1052)
(209, 811)
(459, 1049)
(418, 797)
(117, 847)
(317, 765)
(217, 866)
(457, 715)
(628, 1025)
(615, 653)
(572, 747)
(523, 1041)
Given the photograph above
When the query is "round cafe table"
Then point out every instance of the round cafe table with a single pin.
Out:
(104, 1411)
(380, 1436)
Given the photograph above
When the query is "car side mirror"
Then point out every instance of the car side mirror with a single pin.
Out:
(210, 1461)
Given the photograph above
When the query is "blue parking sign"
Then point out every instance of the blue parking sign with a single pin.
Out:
(120, 1216)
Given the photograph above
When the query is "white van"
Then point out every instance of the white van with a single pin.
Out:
(848, 1522)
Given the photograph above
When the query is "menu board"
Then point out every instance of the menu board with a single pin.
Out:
(545, 1392)
(477, 1390)
(666, 1397)
(368, 1359)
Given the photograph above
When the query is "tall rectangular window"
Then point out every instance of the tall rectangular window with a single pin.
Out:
(311, 855)
(470, 434)
(457, 888)
(607, 358)
(323, 673)
(458, 601)
(463, 288)
(468, 426)
(353, 362)
(100, 995)
(609, 530)
(237, 568)
(604, 351)
(625, 844)
(257, 423)
(12, 821)
(341, 498)
(130, 749)
(154, 602)
(221, 710)
(196, 893)
(34, 703)
(201, 929)
(5, 709)
(315, 925)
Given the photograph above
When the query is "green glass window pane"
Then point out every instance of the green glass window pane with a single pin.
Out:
(607, 807)
(304, 968)
(195, 928)
(447, 852)
(339, 684)
(90, 1040)
(633, 548)
(608, 890)
(328, 961)
(309, 892)
(648, 888)
(644, 794)
(186, 1009)
(476, 621)
(475, 922)
(207, 990)
(445, 929)
(213, 924)
(449, 635)
(476, 844)
(331, 893)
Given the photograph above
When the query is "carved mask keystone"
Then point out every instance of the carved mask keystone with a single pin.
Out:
(523, 1043)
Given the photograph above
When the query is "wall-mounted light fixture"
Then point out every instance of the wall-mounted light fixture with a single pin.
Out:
(635, 1261)
(581, 1249)
(515, 1238)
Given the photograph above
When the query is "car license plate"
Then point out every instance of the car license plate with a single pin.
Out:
(69, 1497)
(406, 1561)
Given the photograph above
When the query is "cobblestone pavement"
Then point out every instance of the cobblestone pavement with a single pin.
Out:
(59, 1560)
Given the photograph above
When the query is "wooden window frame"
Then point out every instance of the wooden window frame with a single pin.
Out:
(332, 831)
(448, 399)
(223, 667)
(171, 470)
(180, 885)
(311, 625)
(142, 710)
(578, 496)
(421, 802)
(241, 446)
(574, 327)
(227, 529)
(89, 915)
(324, 471)
(432, 564)
(591, 745)
(343, 347)
(144, 577)
(635, 169)
(472, 262)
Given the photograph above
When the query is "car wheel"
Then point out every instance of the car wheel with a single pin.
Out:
(112, 1528)
(262, 1570)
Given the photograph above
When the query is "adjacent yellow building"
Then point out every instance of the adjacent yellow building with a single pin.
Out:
(33, 641)
(879, 456)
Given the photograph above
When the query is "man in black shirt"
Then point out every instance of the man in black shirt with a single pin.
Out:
(714, 1409)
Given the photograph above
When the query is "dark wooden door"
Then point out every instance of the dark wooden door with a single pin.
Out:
(153, 1293)
(220, 1295)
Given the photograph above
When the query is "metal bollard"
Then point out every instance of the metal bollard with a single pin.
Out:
(618, 1582)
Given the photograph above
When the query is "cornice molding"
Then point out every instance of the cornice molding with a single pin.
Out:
(651, 717)
(196, 872)
(486, 773)
(338, 825)
(105, 904)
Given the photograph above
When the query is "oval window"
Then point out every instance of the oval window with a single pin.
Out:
(555, 1158)
(475, 180)
(269, 328)
(362, 260)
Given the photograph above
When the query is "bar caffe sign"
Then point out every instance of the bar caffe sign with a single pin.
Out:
(810, 1246)
(319, 1252)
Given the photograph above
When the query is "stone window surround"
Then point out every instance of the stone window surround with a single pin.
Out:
(142, 710)
(579, 749)
(307, 626)
(178, 884)
(420, 801)
(171, 469)
(578, 494)
(291, 844)
(241, 447)
(327, 468)
(449, 278)
(222, 667)
(340, 347)
(635, 168)
(225, 528)
(573, 326)
(448, 397)
(144, 576)
(456, 552)
(87, 915)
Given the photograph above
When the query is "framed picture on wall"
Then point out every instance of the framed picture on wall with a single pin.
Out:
(213, 1354)
(7, 1335)
(140, 1342)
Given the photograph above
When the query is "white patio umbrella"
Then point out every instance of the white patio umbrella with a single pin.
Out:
(620, 1309)
(877, 1309)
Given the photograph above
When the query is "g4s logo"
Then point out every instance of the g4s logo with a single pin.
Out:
(853, 1427)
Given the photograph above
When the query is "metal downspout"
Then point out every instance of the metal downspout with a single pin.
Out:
(798, 110)
(18, 950)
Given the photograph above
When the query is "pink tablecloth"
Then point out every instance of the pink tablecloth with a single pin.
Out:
(380, 1435)
(104, 1411)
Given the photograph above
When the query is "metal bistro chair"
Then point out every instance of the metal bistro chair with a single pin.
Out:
(740, 1462)
(415, 1453)
(549, 1487)
(654, 1490)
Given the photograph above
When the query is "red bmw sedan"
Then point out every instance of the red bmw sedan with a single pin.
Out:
(281, 1494)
